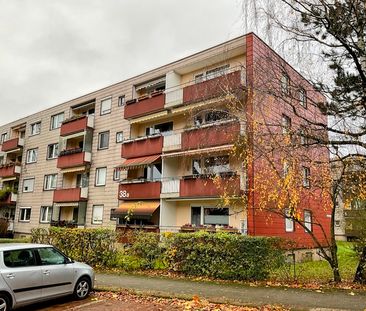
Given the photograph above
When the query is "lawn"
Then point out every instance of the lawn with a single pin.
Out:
(319, 271)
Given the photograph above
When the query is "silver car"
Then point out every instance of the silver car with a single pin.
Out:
(35, 272)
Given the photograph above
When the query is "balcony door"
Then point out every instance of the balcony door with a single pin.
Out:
(196, 215)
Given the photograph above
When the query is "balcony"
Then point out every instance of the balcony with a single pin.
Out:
(140, 147)
(170, 188)
(206, 186)
(144, 105)
(9, 199)
(10, 170)
(12, 144)
(216, 134)
(70, 195)
(139, 190)
(172, 142)
(76, 125)
(72, 158)
(213, 87)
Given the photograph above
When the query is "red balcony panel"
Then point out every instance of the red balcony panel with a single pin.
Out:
(9, 171)
(139, 191)
(74, 126)
(71, 160)
(212, 88)
(11, 144)
(206, 187)
(211, 136)
(144, 147)
(68, 195)
(145, 106)
(9, 199)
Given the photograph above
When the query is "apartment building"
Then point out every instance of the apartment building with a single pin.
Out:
(142, 152)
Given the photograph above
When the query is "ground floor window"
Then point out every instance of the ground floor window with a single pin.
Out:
(97, 214)
(215, 216)
(24, 213)
(45, 214)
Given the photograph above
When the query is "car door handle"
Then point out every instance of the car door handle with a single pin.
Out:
(10, 276)
(46, 272)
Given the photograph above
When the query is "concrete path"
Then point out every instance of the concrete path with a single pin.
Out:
(237, 294)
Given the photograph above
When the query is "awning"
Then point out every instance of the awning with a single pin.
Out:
(138, 162)
(150, 84)
(198, 151)
(73, 169)
(8, 178)
(137, 208)
(66, 204)
(149, 117)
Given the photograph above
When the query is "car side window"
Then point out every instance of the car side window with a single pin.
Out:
(50, 256)
(19, 258)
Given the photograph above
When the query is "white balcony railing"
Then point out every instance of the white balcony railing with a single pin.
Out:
(173, 97)
(84, 192)
(172, 142)
(170, 186)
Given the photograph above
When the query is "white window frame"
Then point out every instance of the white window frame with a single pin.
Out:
(32, 155)
(30, 186)
(108, 109)
(285, 84)
(3, 137)
(100, 140)
(50, 182)
(35, 128)
(306, 177)
(303, 98)
(119, 137)
(308, 220)
(54, 151)
(48, 213)
(289, 222)
(98, 171)
(286, 124)
(121, 100)
(27, 214)
(97, 216)
(56, 120)
(116, 174)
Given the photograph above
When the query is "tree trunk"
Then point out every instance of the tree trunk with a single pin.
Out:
(334, 264)
(360, 276)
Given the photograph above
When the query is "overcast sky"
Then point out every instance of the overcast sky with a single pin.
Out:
(55, 50)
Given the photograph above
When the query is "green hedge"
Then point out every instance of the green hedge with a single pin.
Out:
(223, 255)
(96, 247)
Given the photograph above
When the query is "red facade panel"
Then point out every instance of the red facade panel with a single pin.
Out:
(74, 126)
(212, 88)
(144, 147)
(7, 171)
(10, 144)
(67, 195)
(207, 187)
(139, 191)
(71, 160)
(145, 106)
(218, 135)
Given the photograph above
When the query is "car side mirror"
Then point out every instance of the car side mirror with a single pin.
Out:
(68, 260)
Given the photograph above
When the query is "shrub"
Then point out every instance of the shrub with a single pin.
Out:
(96, 247)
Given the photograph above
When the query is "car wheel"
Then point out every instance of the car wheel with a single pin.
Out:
(82, 288)
(4, 303)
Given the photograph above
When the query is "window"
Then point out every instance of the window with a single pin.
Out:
(52, 151)
(19, 258)
(97, 218)
(196, 167)
(215, 216)
(2, 160)
(211, 74)
(211, 117)
(50, 256)
(50, 182)
(28, 185)
(121, 100)
(304, 139)
(24, 213)
(306, 177)
(116, 174)
(103, 140)
(153, 172)
(56, 120)
(100, 176)
(211, 165)
(289, 222)
(119, 137)
(4, 137)
(105, 106)
(303, 98)
(35, 128)
(285, 84)
(307, 221)
(45, 214)
(32, 155)
(286, 124)
(163, 128)
(286, 168)
(337, 223)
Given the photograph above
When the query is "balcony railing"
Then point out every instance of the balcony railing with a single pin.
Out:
(10, 170)
(172, 142)
(73, 158)
(146, 105)
(211, 135)
(10, 199)
(139, 190)
(170, 186)
(70, 195)
(140, 147)
(208, 186)
(76, 125)
(12, 144)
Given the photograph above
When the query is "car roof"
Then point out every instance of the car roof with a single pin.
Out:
(16, 246)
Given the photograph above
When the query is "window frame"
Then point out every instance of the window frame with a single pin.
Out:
(39, 128)
(49, 208)
(121, 100)
(3, 137)
(289, 221)
(107, 111)
(100, 140)
(308, 224)
(286, 124)
(98, 221)
(35, 150)
(306, 177)
(46, 181)
(285, 84)
(25, 208)
(97, 170)
(31, 178)
(55, 154)
(118, 141)
(59, 123)
(116, 174)
(303, 98)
